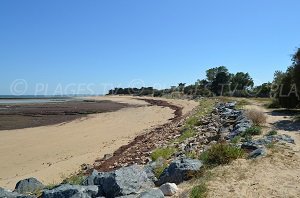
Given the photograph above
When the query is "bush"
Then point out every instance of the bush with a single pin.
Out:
(199, 191)
(273, 132)
(274, 104)
(257, 117)
(221, 154)
(165, 153)
(255, 130)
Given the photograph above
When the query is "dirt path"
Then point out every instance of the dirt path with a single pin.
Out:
(276, 175)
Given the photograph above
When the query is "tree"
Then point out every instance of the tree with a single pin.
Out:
(263, 90)
(220, 84)
(241, 81)
(211, 74)
(288, 84)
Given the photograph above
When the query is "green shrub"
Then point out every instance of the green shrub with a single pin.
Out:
(273, 132)
(165, 153)
(199, 191)
(221, 154)
(255, 130)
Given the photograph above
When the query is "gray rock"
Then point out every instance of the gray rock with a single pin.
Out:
(153, 193)
(29, 185)
(257, 153)
(122, 182)
(230, 105)
(179, 171)
(7, 194)
(249, 146)
(169, 189)
(71, 191)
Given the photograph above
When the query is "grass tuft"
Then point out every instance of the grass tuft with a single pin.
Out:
(221, 153)
(255, 130)
(165, 153)
(273, 132)
(199, 191)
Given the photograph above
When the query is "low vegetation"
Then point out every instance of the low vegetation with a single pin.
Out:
(254, 130)
(257, 117)
(160, 169)
(236, 139)
(273, 132)
(165, 153)
(221, 153)
(74, 179)
(186, 134)
(242, 103)
(199, 191)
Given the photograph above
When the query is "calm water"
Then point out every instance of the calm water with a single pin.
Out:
(31, 101)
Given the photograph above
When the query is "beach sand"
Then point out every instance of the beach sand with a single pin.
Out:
(51, 153)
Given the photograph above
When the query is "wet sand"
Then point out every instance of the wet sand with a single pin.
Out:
(51, 153)
(20, 116)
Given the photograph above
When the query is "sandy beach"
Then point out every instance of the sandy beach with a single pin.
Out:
(51, 153)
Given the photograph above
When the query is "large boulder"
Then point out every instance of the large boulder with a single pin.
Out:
(169, 189)
(74, 191)
(179, 171)
(7, 194)
(122, 182)
(29, 185)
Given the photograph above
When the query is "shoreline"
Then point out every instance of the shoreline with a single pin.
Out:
(48, 152)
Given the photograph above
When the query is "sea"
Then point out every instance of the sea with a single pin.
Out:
(29, 99)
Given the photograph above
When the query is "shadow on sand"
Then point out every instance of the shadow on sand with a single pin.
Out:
(287, 125)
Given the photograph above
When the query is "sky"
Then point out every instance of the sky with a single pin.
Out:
(48, 47)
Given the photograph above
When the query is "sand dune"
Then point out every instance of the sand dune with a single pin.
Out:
(50, 153)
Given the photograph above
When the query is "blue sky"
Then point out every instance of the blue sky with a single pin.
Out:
(161, 42)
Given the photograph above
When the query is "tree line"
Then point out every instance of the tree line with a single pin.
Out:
(220, 82)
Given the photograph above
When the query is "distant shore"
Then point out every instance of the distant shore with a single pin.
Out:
(51, 153)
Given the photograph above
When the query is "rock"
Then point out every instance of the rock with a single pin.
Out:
(29, 185)
(257, 153)
(169, 189)
(7, 194)
(153, 193)
(179, 171)
(230, 105)
(122, 182)
(75, 191)
(249, 146)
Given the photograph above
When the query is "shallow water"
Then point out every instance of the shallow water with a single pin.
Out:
(31, 101)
